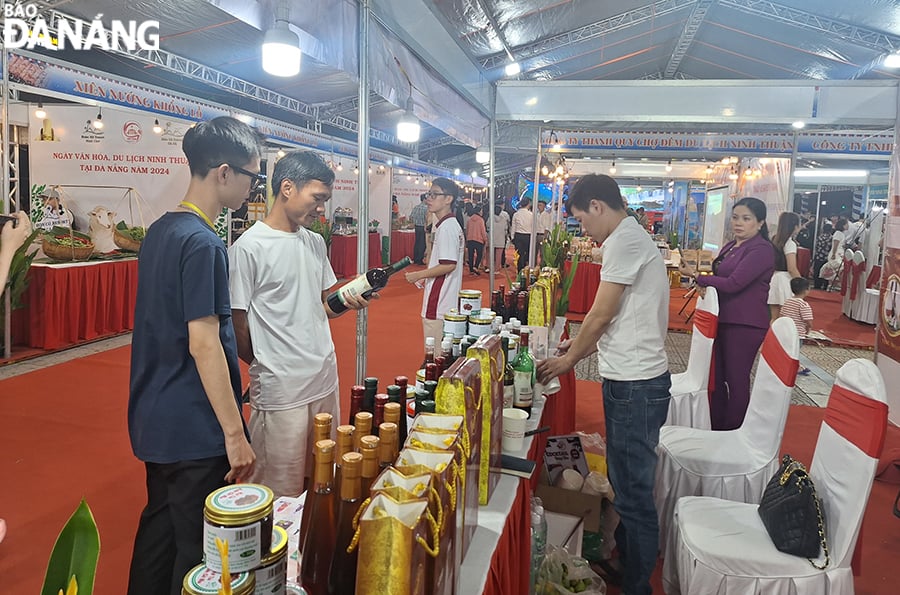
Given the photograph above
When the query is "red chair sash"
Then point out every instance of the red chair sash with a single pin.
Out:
(783, 365)
(874, 277)
(860, 420)
(706, 323)
(845, 272)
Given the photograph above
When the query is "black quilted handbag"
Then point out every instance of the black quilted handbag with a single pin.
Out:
(792, 513)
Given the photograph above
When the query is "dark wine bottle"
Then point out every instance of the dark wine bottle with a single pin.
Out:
(397, 394)
(365, 285)
(371, 388)
(356, 400)
(318, 545)
(380, 401)
(342, 579)
(509, 377)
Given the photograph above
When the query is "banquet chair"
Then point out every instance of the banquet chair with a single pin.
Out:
(864, 302)
(689, 405)
(845, 276)
(734, 464)
(720, 547)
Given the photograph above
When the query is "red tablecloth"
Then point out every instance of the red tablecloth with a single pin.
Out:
(343, 254)
(402, 244)
(511, 562)
(69, 304)
(584, 286)
(803, 256)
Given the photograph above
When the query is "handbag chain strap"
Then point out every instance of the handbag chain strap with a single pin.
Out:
(821, 524)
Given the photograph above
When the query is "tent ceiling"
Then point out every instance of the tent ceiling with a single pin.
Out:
(552, 39)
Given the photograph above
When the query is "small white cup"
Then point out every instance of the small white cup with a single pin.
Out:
(570, 479)
(596, 484)
(514, 429)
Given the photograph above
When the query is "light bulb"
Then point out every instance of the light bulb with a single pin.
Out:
(669, 166)
(157, 129)
(482, 155)
(799, 124)
(98, 122)
(39, 113)
(408, 128)
(512, 68)
(281, 53)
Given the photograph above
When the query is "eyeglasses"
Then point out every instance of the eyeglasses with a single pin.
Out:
(258, 179)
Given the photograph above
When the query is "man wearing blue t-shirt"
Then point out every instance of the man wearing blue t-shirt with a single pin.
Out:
(184, 411)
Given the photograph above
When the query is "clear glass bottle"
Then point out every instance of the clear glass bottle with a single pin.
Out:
(523, 374)
(318, 545)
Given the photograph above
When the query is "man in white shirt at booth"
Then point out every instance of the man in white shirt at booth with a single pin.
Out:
(627, 327)
(443, 277)
(279, 278)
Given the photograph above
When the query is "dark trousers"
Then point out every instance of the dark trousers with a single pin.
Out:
(169, 540)
(735, 349)
(476, 253)
(522, 242)
(419, 247)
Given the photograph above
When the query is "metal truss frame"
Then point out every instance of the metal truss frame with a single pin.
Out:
(614, 23)
(698, 15)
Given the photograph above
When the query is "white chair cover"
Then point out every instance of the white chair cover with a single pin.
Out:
(737, 464)
(864, 302)
(846, 275)
(719, 547)
(689, 405)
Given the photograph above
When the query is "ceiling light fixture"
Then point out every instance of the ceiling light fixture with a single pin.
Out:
(892, 60)
(733, 175)
(612, 167)
(281, 53)
(456, 172)
(512, 68)
(157, 129)
(669, 166)
(39, 113)
(799, 124)
(98, 121)
(408, 128)
(280, 153)
(483, 153)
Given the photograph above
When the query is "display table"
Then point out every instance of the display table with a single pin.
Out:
(343, 254)
(70, 303)
(403, 243)
(498, 561)
(584, 286)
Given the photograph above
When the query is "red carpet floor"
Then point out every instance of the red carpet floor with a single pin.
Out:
(65, 438)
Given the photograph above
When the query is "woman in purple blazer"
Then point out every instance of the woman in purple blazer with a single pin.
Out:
(741, 274)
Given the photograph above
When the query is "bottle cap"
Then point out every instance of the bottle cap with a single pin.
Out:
(429, 341)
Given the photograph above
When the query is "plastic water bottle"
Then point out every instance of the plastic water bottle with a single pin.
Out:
(538, 539)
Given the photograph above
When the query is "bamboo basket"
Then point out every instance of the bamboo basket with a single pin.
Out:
(126, 243)
(66, 253)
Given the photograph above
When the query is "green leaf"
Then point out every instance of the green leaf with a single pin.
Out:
(75, 553)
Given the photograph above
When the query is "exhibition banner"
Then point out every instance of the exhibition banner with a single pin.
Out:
(124, 167)
(888, 323)
(408, 188)
(345, 194)
(757, 144)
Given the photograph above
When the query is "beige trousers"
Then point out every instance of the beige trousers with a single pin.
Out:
(434, 328)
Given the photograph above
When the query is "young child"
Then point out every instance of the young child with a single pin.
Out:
(798, 310)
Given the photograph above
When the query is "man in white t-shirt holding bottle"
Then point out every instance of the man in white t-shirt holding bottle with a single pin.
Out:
(443, 277)
(627, 326)
(279, 276)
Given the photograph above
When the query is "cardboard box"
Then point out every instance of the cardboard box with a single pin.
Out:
(586, 506)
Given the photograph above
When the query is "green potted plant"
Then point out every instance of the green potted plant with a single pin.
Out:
(18, 280)
(73, 562)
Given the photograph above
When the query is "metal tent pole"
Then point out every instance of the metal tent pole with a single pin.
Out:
(534, 198)
(4, 150)
(362, 226)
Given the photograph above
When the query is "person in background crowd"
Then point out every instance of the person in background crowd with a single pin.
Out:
(855, 234)
(545, 222)
(642, 218)
(797, 309)
(627, 327)
(184, 405)
(280, 277)
(443, 277)
(785, 262)
(11, 237)
(476, 238)
(741, 274)
(820, 256)
(395, 207)
(418, 216)
(804, 237)
(522, 223)
(501, 234)
(838, 239)
(628, 210)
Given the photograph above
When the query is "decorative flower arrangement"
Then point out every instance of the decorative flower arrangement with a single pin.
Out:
(555, 249)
